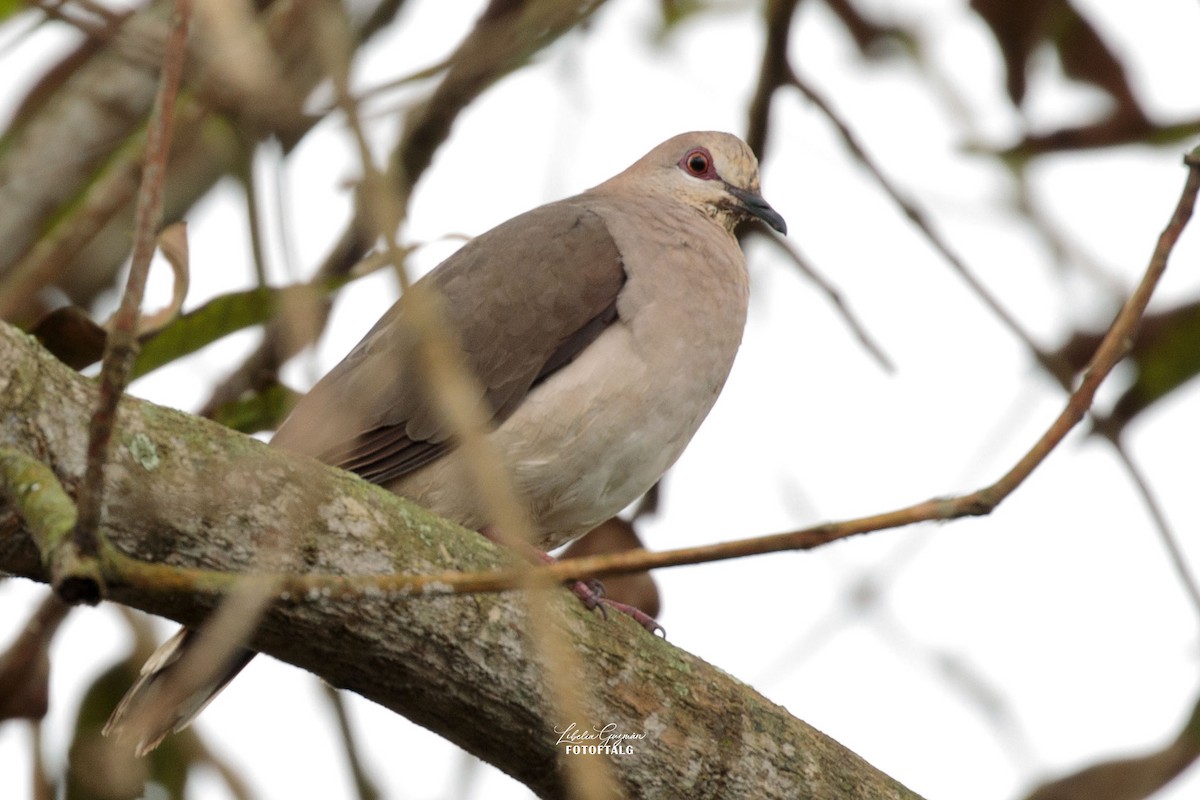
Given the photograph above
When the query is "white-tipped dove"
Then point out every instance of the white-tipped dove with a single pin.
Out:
(601, 328)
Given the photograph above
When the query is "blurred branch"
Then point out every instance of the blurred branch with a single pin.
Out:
(364, 787)
(919, 219)
(71, 155)
(1053, 363)
(1057, 241)
(776, 72)
(461, 666)
(458, 394)
(25, 663)
(1129, 778)
(869, 36)
(43, 787)
(1174, 553)
(505, 37)
(229, 774)
(121, 346)
(75, 15)
(832, 295)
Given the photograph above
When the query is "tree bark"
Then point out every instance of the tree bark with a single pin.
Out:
(183, 491)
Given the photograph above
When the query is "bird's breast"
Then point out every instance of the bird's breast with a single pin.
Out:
(601, 430)
(610, 423)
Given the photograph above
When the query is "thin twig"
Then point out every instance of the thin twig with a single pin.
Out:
(64, 12)
(375, 92)
(254, 220)
(832, 295)
(1105, 426)
(1057, 242)
(382, 211)
(122, 344)
(43, 785)
(101, 11)
(1174, 553)
(499, 43)
(166, 579)
(919, 218)
(363, 785)
(774, 73)
(456, 392)
(1054, 365)
(229, 775)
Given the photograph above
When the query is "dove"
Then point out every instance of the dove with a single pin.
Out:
(601, 328)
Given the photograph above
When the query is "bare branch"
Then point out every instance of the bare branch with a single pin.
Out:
(366, 788)
(774, 73)
(918, 218)
(833, 296)
(980, 502)
(1170, 542)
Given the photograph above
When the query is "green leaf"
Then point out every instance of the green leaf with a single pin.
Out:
(9, 8)
(1167, 355)
(261, 411)
(224, 315)
(101, 767)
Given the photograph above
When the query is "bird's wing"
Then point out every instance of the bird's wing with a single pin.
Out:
(524, 299)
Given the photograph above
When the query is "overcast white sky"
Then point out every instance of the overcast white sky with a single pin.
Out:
(995, 650)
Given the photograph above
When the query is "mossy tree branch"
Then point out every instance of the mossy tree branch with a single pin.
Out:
(187, 493)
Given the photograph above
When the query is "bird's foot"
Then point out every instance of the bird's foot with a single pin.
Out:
(590, 592)
(592, 595)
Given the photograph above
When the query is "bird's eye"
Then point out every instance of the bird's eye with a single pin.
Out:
(699, 163)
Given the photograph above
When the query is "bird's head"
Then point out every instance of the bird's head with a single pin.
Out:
(713, 171)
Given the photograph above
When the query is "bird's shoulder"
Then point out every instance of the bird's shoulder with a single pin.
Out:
(566, 244)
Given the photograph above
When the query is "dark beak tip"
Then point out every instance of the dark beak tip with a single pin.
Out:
(754, 205)
(771, 217)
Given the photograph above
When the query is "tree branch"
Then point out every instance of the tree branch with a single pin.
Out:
(185, 492)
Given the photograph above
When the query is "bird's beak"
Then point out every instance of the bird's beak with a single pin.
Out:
(755, 206)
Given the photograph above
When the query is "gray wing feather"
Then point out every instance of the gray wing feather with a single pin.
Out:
(525, 299)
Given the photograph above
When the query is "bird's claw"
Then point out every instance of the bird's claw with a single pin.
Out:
(592, 594)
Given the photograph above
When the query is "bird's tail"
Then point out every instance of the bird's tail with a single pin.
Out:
(170, 692)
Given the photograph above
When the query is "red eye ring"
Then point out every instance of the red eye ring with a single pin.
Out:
(698, 163)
